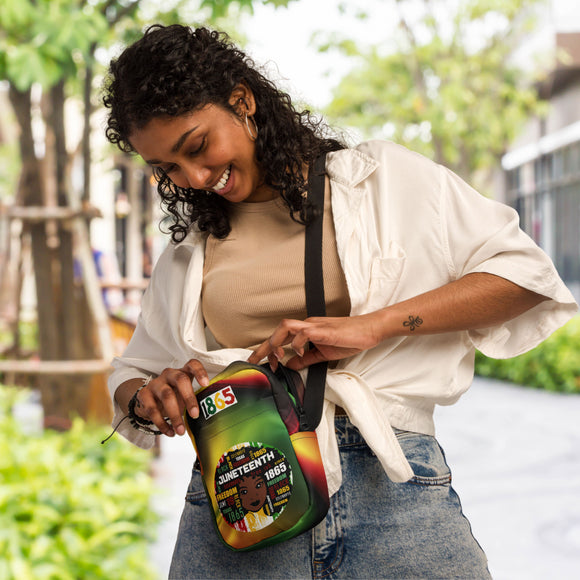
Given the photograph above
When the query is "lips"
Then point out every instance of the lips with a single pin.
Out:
(223, 180)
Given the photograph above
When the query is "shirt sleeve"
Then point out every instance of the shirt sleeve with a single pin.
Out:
(144, 356)
(481, 235)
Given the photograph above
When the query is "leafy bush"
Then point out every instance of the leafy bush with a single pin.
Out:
(553, 365)
(71, 508)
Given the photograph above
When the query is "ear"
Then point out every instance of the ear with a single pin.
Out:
(242, 100)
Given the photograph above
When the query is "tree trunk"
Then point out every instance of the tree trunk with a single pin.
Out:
(68, 321)
(74, 324)
(30, 193)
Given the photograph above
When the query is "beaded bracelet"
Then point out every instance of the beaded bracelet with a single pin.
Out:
(140, 423)
(133, 403)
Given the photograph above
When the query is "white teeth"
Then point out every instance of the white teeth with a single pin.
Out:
(223, 180)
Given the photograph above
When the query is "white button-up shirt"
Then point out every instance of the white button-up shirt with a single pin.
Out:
(404, 226)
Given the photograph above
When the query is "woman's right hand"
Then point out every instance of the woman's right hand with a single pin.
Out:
(169, 394)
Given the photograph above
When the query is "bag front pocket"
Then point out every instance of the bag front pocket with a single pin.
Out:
(253, 479)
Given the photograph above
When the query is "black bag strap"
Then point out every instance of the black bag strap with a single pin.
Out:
(314, 288)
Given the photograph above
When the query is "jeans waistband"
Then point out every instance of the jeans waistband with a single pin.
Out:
(348, 434)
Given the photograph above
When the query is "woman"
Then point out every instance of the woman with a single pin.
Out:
(418, 268)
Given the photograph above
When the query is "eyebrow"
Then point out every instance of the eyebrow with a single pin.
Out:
(178, 145)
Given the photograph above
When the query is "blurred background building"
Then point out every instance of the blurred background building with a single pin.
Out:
(542, 167)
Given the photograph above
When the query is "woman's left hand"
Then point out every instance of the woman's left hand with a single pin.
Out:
(333, 339)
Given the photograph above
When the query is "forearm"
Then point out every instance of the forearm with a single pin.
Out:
(475, 301)
(478, 300)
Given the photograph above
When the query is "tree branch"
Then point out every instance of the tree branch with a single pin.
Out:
(419, 78)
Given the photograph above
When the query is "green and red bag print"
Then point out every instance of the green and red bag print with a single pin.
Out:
(262, 474)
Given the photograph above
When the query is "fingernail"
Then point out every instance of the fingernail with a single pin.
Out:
(194, 412)
(180, 430)
(171, 433)
(204, 381)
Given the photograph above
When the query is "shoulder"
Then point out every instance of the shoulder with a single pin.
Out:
(392, 153)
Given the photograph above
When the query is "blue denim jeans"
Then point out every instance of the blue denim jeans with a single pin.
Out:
(374, 529)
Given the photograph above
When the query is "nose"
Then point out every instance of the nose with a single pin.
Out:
(194, 175)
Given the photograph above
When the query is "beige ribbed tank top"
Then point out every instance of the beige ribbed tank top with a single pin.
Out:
(255, 277)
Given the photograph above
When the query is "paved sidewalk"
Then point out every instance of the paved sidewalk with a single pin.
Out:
(515, 456)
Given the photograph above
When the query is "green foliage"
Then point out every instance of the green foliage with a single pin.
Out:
(42, 40)
(554, 365)
(70, 507)
(448, 88)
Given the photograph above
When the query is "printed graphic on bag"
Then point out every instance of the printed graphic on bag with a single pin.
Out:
(253, 484)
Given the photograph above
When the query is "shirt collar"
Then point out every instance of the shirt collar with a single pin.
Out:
(350, 166)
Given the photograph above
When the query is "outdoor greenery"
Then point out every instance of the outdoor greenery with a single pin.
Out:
(554, 365)
(71, 508)
(444, 84)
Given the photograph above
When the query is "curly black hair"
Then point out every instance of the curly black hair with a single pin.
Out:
(174, 70)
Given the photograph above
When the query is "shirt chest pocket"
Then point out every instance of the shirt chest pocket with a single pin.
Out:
(386, 275)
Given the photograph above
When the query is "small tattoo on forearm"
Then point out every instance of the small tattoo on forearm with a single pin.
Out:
(413, 322)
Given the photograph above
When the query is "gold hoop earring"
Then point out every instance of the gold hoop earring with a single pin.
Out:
(250, 133)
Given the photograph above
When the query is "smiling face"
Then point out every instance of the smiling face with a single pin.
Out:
(253, 491)
(207, 149)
